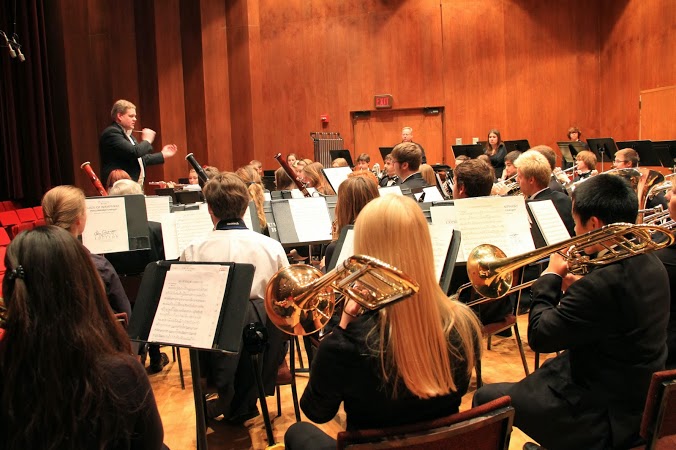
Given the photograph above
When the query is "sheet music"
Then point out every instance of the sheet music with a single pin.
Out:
(432, 194)
(441, 235)
(501, 221)
(311, 219)
(549, 221)
(267, 197)
(390, 190)
(441, 240)
(296, 193)
(168, 222)
(106, 229)
(157, 206)
(336, 176)
(183, 228)
(247, 218)
(445, 215)
(190, 305)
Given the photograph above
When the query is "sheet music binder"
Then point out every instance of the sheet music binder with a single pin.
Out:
(137, 220)
(286, 228)
(231, 321)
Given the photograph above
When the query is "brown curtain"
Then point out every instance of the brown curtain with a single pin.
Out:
(30, 160)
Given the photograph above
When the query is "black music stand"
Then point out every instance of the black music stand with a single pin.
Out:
(603, 148)
(473, 151)
(384, 151)
(346, 154)
(570, 149)
(520, 145)
(667, 152)
(228, 335)
(286, 229)
(647, 156)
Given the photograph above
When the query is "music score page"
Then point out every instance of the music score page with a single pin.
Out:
(190, 305)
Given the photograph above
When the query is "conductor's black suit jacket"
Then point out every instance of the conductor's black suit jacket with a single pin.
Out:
(612, 328)
(117, 152)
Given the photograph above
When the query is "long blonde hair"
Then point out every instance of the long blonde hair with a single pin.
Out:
(415, 334)
(63, 205)
(250, 176)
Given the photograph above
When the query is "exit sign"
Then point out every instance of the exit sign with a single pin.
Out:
(383, 101)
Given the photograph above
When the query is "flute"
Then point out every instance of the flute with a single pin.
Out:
(292, 174)
(198, 168)
(87, 167)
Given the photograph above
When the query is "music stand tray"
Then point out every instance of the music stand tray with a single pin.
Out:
(603, 148)
(471, 150)
(342, 154)
(384, 151)
(520, 145)
(667, 152)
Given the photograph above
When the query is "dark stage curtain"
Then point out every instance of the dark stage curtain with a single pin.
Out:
(30, 160)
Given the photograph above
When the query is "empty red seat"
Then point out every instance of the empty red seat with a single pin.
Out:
(4, 237)
(9, 218)
(38, 212)
(10, 205)
(19, 227)
(26, 215)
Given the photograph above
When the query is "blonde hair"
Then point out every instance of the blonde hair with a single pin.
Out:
(534, 164)
(427, 173)
(63, 205)
(250, 176)
(125, 187)
(120, 107)
(415, 344)
(313, 173)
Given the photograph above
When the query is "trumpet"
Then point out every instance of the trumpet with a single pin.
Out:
(511, 186)
(300, 301)
(491, 272)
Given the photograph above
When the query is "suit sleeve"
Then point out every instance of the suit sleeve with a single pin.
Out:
(152, 159)
(114, 142)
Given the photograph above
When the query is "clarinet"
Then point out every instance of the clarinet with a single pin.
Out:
(195, 165)
(87, 167)
(292, 174)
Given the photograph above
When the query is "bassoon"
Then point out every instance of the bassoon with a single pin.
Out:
(292, 174)
(201, 174)
(87, 167)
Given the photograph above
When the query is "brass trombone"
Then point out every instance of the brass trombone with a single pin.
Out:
(300, 301)
(491, 272)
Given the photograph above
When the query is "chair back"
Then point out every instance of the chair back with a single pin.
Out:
(659, 415)
(486, 427)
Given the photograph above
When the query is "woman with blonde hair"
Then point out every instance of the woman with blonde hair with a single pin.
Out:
(282, 180)
(64, 206)
(313, 176)
(407, 362)
(254, 184)
(428, 175)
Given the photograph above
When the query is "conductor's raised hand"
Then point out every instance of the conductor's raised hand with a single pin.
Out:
(148, 135)
(169, 150)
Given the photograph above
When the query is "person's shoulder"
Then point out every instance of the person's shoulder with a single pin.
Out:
(112, 129)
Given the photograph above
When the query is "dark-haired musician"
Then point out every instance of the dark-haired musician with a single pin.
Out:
(406, 158)
(610, 327)
(668, 258)
(118, 149)
(231, 241)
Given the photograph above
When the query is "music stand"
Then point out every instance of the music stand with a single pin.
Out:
(570, 149)
(520, 145)
(647, 156)
(384, 151)
(603, 148)
(473, 151)
(228, 335)
(667, 152)
(342, 154)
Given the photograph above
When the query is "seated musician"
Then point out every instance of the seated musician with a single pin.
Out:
(534, 175)
(406, 158)
(474, 178)
(67, 379)
(363, 162)
(115, 175)
(253, 181)
(428, 174)
(585, 165)
(668, 258)
(611, 327)
(549, 153)
(574, 134)
(227, 198)
(282, 180)
(408, 362)
(64, 206)
(388, 176)
(339, 162)
(313, 176)
(192, 177)
(505, 185)
(628, 158)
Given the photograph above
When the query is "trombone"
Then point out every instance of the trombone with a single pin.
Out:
(300, 301)
(491, 272)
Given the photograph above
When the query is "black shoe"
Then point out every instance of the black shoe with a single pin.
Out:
(157, 366)
(239, 420)
(214, 408)
(505, 333)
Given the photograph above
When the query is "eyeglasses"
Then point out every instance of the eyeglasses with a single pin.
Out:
(618, 161)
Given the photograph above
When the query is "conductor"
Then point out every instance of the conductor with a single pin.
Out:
(118, 149)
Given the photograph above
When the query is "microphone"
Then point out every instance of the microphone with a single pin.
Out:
(22, 58)
(12, 53)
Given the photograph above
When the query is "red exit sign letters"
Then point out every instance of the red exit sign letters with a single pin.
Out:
(383, 101)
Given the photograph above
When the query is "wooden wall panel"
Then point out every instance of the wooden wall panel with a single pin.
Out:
(658, 54)
(656, 122)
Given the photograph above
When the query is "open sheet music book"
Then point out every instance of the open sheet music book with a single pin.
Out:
(181, 228)
(302, 220)
(157, 206)
(190, 305)
(116, 224)
(548, 220)
(500, 221)
(336, 176)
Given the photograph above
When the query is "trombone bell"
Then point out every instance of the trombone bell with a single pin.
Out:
(486, 280)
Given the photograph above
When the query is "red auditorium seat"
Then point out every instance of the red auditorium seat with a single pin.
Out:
(8, 218)
(26, 215)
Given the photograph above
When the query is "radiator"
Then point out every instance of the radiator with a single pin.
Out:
(323, 143)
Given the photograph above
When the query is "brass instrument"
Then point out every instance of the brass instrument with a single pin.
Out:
(491, 272)
(659, 216)
(662, 187)
(512, 186)
(300, 301)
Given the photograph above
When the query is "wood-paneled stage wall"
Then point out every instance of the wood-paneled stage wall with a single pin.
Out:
(235, 80)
